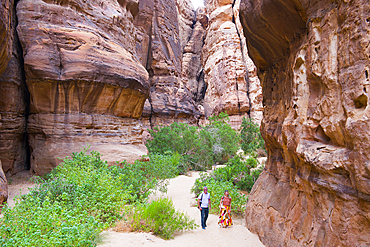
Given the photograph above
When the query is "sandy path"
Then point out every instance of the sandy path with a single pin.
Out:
(179, 191)
(19, 185)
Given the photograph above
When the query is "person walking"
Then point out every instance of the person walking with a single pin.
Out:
(204, 205)
(225, 207)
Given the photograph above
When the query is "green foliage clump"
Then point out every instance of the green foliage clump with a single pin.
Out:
(251, 138)
(243, 174)
(79, 198)
(225, 140)
(217, 189)
(236, 175)
(199, 147)
(159, 217)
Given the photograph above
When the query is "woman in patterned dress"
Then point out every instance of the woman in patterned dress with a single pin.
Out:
(225, 207)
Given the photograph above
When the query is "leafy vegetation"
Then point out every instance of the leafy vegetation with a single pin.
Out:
(251, 138)
(217, 189)
(81, 197)
(199, 147)
(159, 217)
(236, 175)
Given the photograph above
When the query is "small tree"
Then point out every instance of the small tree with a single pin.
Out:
(225, 140)
(251, 138)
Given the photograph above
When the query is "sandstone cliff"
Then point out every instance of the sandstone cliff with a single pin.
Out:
(101, 72)
(313, 60)
(85, 83)
(13, 105)
(165, 24)
(229, 73)
(5, 34)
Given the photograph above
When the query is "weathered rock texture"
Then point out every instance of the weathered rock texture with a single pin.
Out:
(13, 101)
(5, 34)
(3, 185)
(100, 72)
(5, 51)
(86, 84)
(192, 74)
(313, 60)
(226, 61)
(158, 24)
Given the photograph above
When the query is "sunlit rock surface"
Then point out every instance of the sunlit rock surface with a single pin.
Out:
(313, 60)
(164, 27)
(101, 72)
(86, 85)
(228, 70)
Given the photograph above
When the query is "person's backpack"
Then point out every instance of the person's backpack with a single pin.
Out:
(201, 197)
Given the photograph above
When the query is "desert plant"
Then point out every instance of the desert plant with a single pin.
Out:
(217, 189)
(159, 217)
(250, 135)
(199, 147)
(79, 198)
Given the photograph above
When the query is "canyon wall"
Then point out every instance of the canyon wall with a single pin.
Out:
(13, 105)
(228, 70)
(101, 72)
(313, 61)
(165, 26)
(86, 85)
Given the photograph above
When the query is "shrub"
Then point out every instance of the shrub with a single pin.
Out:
(241, 173)
(199, 147)
(159, 217)
(217, 189)
(225, 140)
(250, 135)
(79, 198)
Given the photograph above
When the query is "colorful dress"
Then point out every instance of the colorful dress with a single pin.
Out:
(225, 217)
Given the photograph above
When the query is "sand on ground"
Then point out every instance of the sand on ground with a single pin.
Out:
(179, 192)
(19, 184)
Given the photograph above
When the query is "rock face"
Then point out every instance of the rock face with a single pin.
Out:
(86, 84)
(313, 60)
(225, 62)
(159, 24)
(5, 34)
(100, 72)
(192, 74)
(3, 184)
(13, 101)
(5, 51)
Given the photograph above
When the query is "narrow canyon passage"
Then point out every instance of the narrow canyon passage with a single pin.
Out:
(179, 192)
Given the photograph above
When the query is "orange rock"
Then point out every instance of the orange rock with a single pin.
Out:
(85, 82)
(314, 67)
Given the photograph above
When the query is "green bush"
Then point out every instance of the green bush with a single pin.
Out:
(225, 140)
(242, 174)
(199, 147)
(250, 135)
(217, 189)
(159, 217)
(79, 198)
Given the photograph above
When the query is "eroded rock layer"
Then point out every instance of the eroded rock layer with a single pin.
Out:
(165, 26)
(13, 103)
(83, 77)
(5, 34)
(100, 72)
(313, 60)
(228, 70)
